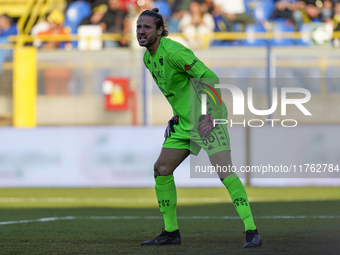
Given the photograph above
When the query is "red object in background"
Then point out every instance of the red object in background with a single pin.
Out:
(117, 95)
(125, 4)
(116, 92)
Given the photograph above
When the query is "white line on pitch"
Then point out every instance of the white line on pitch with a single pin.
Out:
(160, 217)
(119, 200)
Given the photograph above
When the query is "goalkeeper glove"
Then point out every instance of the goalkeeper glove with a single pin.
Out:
(170, 128)
(206, 125)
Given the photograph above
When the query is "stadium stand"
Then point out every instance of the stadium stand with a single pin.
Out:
(262, 10)
(86, 77)
(304, 40)
(279, 28)
(251, 30)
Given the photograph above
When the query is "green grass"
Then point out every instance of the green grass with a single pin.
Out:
(215, 235)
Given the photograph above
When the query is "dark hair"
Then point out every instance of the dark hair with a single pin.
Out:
(159, 20)
(10, 19)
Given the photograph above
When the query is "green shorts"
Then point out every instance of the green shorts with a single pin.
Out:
(218, 140)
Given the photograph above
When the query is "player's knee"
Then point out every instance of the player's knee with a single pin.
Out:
(160, 169)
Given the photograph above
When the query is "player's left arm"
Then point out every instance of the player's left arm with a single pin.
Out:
(184, 60)
(208, 81)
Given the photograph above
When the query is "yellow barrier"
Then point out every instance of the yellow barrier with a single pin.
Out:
(214, 36)
(24, 87)
(14, 8)
(207, 38)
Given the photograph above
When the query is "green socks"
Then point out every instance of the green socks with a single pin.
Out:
(167, 200)
(239, 197)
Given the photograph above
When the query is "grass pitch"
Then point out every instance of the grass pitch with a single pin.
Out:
(115, 221)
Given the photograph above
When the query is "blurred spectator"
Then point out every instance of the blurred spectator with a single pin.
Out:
(288, 10)
(208, 6)
(53, 26)
(179, 7)
(336, 16)
(115, 20)
(233, 11)
(317, 10)
(55, 80)
(196, 23)
(164, 8)
(220, 22)
(96, 15)
(7, 26)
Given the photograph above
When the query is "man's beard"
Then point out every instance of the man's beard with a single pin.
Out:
(151, 40)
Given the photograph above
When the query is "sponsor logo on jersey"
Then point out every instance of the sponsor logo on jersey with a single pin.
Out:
(161, 61)
(188, 67)
(158, 75)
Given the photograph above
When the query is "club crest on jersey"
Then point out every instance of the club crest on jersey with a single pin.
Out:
(188, 67)
(155, 64)
(161, 61)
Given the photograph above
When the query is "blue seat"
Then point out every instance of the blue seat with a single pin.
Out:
(282, 27)
(4, 53)
(220, 24)
(251, 30)
(164, 8)
(305, 40)
(173, 25)
(75, 13)
(248, 5)
(263, 10)
(316, 20)
(279, 20)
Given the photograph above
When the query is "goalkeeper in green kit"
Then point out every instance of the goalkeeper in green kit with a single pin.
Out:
(183, 78)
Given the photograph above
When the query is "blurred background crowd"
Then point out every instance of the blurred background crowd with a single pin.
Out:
(97, 41)
(194, 19)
